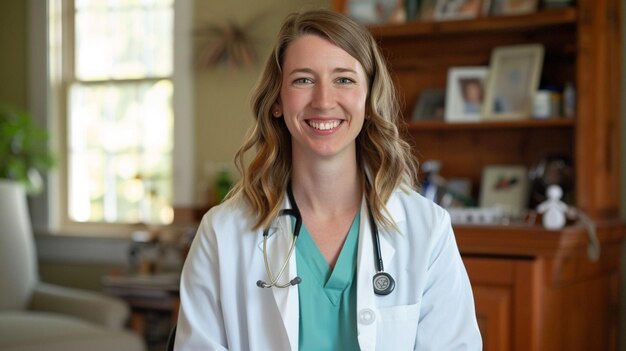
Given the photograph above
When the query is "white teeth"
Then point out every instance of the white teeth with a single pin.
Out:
(324, 125)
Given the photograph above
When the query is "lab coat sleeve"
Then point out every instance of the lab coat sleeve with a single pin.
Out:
(200, 320)
(447, 316)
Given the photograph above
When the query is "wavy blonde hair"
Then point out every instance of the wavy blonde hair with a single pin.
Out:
(381, 152)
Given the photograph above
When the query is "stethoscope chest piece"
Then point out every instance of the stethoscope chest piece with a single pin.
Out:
(383, 283)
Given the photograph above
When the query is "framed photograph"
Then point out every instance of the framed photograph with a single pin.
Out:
(376, 12)
(465, 93)
(512, 82)
(513, 7)
(504, 187)
(430, 105)
(457, 9)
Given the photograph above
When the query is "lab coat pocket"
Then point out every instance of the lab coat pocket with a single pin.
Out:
(397, 327)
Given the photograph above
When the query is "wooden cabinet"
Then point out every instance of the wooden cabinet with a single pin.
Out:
(535, 289)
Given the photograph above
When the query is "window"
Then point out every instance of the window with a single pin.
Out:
(117, 97)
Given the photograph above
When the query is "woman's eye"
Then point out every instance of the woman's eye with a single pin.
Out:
(303, 81)
(345, 80)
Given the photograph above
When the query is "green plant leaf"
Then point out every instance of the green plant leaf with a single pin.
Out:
(24, 151)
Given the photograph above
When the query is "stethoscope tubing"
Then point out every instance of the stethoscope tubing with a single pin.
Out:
(274, 280)
(295, 212)
(383, 282)
(376, 242)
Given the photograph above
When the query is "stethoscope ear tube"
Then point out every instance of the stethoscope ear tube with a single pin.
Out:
(274, 280)
(295, 212)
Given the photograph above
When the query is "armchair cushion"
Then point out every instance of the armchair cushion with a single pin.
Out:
(91, 306)
(34, 331)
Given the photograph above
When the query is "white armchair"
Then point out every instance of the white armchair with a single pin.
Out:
(39, 316)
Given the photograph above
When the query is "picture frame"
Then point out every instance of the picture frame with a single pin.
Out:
(430, 105)
(446, 10)
(376, 12)
(512, 81)
(505, 187)
(465, 93)
(513, 7)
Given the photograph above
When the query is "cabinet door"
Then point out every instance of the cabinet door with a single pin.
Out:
(493, 311)
(505, 296)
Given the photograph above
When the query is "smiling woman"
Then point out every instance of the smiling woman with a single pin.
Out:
(332, 185)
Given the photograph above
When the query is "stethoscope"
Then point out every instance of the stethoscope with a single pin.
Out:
(382, 281)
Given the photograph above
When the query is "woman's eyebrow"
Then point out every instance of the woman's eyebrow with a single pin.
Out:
(310, 71)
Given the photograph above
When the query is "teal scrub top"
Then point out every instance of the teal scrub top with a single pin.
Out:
(327, 297)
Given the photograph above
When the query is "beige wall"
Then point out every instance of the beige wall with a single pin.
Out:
(221, 94)
(13, 57)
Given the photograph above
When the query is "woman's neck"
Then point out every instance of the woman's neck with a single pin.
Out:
(328, 194)
(327, 188)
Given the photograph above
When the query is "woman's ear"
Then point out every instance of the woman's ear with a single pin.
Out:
(277, 111)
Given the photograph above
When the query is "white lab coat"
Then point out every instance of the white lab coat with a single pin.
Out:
(431, 308)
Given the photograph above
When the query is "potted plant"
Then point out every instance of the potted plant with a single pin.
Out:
(24, 152)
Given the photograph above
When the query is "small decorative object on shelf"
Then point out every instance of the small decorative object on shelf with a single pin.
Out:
(377, 12)
(478, 216)
(513, 7)
(453, 192)
(556, 4)
(546, 104)
(552, 169)
(427, 10)
(434, 183)
(569, 100)
(457, 9)
(553, 209)
(412, 8)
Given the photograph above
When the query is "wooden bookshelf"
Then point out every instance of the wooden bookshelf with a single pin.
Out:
(534, 289)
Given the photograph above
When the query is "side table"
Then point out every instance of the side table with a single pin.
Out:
(146, 294)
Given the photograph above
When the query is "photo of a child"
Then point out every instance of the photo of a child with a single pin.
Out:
(473, 94)
(465, 93)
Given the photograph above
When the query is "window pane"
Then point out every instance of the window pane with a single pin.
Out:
(120, 146)
(123, 39)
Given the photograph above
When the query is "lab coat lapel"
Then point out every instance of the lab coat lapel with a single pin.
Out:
(278, 243)
(366, 268)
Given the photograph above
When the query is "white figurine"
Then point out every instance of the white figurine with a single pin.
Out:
(553, 209)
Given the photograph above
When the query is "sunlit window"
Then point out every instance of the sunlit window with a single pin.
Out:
(119, 112)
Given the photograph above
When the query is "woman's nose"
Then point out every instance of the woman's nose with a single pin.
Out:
(323, 96)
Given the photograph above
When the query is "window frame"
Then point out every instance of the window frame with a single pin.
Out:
(50, 210)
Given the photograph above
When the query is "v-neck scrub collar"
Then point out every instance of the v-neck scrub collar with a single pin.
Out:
(327, 298)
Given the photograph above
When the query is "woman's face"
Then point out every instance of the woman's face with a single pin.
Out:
(322, 98)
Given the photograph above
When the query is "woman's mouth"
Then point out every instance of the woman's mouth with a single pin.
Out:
(324, 125)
